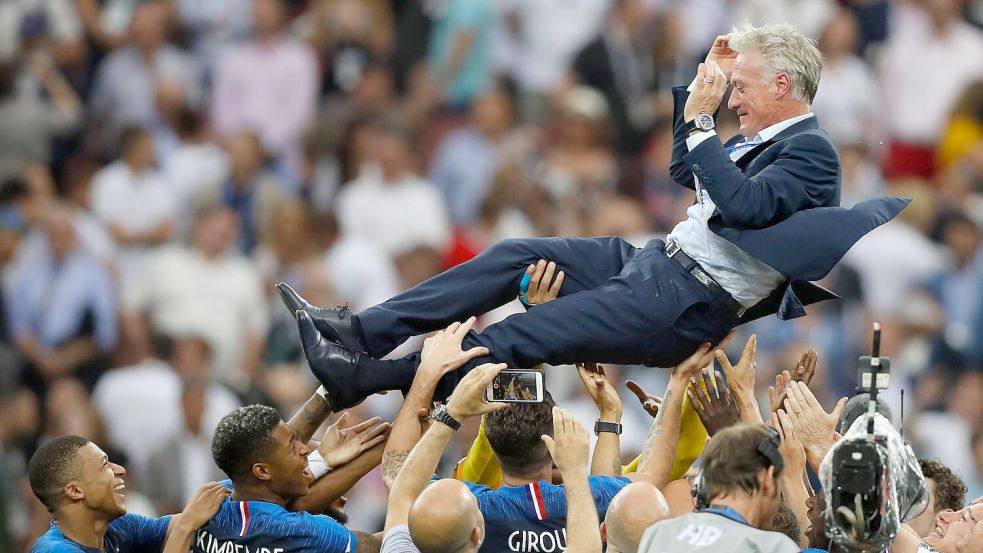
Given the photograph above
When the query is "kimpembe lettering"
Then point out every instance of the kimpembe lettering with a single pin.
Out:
(207, 543)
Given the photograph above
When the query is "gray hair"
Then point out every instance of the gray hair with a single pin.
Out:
(785, 50)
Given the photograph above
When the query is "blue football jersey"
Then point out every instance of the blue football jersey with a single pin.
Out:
(128, 534)
(533, 518)
(262, 527)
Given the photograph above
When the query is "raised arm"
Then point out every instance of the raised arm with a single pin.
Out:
(741, 377)
(814, 426)
(607, 450)
(330, 487)
(441, 354)
(568, 447)
(793, 477)
(311, 416)
(421, 462)
(659, 452)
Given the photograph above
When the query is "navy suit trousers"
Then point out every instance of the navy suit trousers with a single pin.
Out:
(618, 304)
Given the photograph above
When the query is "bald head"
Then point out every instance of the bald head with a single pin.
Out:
(636, 507)
(445, 519)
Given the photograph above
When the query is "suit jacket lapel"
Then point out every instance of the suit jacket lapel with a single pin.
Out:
(802, 126)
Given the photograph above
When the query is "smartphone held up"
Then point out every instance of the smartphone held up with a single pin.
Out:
(516, 387)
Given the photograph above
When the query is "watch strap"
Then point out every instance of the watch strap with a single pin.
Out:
(600, 426)
(441, 415)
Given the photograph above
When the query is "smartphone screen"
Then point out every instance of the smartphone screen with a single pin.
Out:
(516, 386)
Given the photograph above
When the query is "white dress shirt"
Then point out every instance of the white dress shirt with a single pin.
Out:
(747, 279)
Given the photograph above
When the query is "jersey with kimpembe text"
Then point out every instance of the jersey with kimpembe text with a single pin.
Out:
(533, 518)
(129, 533)
(262, 527)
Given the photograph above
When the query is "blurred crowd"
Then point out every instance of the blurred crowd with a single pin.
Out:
(163, 163)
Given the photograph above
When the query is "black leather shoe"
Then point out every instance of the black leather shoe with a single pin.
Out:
(334, 323)
(332, 364)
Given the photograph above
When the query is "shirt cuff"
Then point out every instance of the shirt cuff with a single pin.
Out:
(696, 139)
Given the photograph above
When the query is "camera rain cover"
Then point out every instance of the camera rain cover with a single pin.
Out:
(872, 485)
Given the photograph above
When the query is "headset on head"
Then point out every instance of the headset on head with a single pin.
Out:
(768, 448)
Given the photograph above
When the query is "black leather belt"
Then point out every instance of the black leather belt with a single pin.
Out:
(674, 252)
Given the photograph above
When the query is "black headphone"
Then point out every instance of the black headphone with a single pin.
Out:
(768, 448)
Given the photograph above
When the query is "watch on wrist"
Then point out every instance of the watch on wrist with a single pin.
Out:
(702, 123)
(613, 427)
(441, 415)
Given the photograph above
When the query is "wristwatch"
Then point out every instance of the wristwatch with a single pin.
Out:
(441, 415)
(612, 427)
(702, 123)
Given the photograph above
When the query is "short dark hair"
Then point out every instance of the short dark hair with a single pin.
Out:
(785, 522)
(515, 435)
(52, 466)
(243, 438)
(950, 491)
(732, 460)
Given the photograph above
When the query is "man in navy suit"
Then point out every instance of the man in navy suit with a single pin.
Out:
(765, 222)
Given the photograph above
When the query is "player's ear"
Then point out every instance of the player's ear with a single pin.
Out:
(477, 536)
(262, 471)
(73, 491)
(768, 482)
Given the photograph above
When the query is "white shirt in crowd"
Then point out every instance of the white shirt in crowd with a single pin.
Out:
(136, 202)
(219, 299)
(397, 216)
(361, 272)
(744, 277)
(846, 101)
(923, 74)
(192, 168)
(141, 406)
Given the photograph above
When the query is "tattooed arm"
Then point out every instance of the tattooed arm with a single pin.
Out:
(659, 452)
(441, 354)
(311, 416)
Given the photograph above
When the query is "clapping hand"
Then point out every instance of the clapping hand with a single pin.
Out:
(814, 426)
(803, 372)
(541, 287)
(716, 408)
(570, 443)
(791, 448)
(600, 391)
(340, 444)
(708, 91)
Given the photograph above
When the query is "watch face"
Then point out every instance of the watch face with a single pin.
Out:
(704, 121)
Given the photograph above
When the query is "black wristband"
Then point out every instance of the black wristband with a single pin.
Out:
(613, 427)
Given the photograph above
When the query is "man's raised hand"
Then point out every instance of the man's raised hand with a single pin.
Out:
(468, 397)
(813, 425)
(649, 402)
(340, 444)
(204, 504)
(570, 443)
(601, 392)
(708, 91)
(723, 55)
(716, 408)
(442, 351)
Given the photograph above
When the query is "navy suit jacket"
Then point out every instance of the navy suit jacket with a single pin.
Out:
(780, 203)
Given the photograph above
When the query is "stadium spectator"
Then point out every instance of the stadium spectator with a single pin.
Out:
(194, 291)
(267, 85)
(62, 309)
(135, 202)
(129, 79)
(249, 189)
(619, 64)
(32, 121)
(930, 43)
(389, 204)
(179, 465)
(460, 50)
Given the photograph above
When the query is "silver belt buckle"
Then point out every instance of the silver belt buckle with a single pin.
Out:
(701, 276)
(672, 248)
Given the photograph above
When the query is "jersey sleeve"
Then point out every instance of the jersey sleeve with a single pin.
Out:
(604, 488)
(330, 536)
(137, 533)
